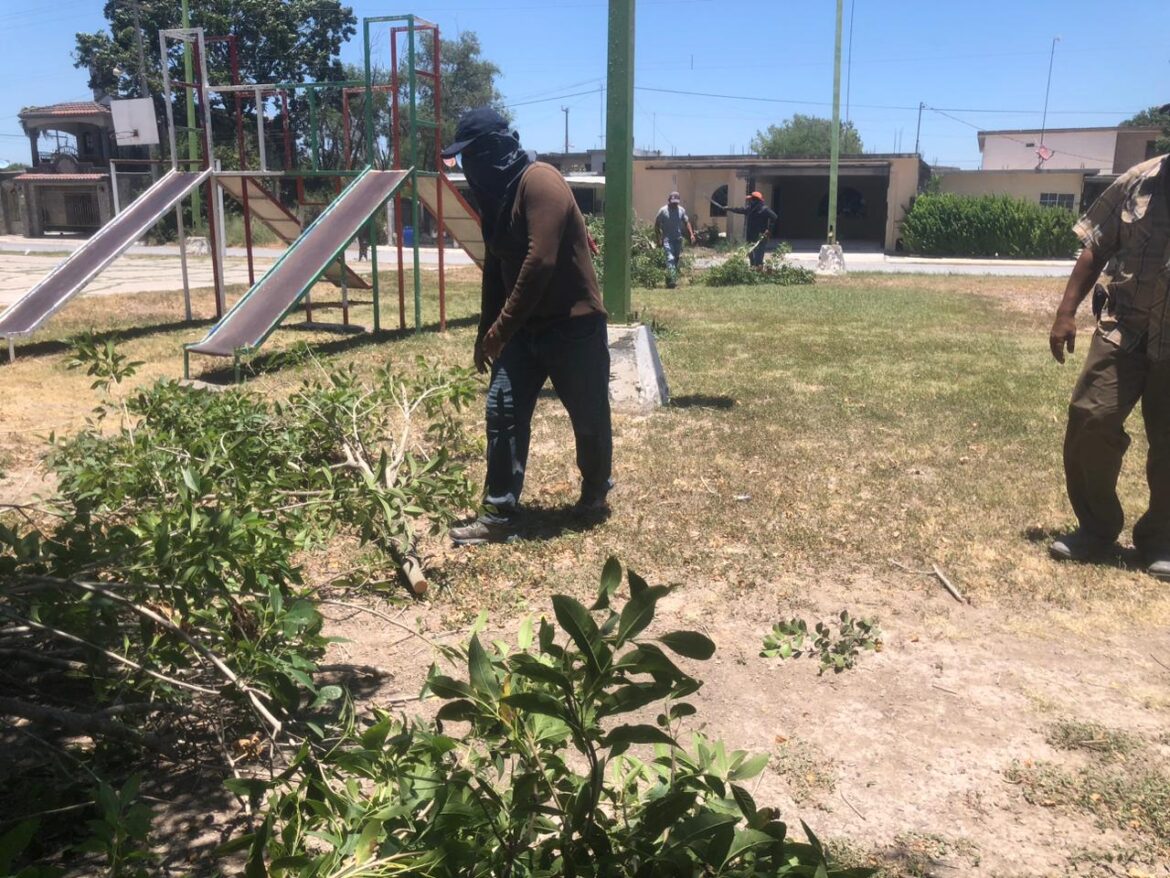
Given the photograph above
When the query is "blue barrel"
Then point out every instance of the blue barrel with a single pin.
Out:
(408, 236)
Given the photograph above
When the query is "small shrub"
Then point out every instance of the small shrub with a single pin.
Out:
(777, 270)
(647, 259)
(539, 780)
(709, 236)
(262, 236)
(837, 650)
(156, 605)
(988, 225)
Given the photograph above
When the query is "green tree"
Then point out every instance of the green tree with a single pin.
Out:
(469, 81)
(805, 136)
(1154, 117)
(279, 41)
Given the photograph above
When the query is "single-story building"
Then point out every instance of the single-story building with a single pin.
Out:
(874, 193)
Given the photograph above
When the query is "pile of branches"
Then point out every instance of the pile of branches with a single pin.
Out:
(153, 608)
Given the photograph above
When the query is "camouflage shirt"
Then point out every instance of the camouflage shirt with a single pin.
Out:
(1130, 226)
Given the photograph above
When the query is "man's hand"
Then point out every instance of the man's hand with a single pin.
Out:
(479, 358)
(694, 240)
(1063, 335)
(491, 345)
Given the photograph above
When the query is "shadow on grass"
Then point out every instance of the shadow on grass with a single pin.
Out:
(1118, 556)
(702, 401)
(266, 364)
(56, 346)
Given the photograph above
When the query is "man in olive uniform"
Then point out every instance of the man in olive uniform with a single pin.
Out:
(1128, 362)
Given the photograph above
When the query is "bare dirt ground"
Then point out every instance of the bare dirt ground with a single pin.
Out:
(921, 759)
(904, 759)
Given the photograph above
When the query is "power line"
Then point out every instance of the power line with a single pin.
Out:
(727, 97)
(575, 94)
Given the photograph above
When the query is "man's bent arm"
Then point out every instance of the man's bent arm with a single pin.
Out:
(1084, 275)
(547, 206)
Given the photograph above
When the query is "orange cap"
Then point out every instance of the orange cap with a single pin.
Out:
(756, 195)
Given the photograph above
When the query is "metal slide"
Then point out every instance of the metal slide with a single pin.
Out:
(458, 216)
(264, 206)
(83, 264)
(254, 317)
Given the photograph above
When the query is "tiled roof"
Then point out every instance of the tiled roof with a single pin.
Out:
(72, 108)
(61, 178)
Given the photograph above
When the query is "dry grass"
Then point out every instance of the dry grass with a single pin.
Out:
(826, 428)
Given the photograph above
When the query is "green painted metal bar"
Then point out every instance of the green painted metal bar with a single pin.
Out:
(192, 138)
(314, 143)
(835, 153)
(415, 213)
(619, 159)
(370, 142)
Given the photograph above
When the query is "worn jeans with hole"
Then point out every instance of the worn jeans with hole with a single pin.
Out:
(673, 248)
(1112, 383)
(574, 355)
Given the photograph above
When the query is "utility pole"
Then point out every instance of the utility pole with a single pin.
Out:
(1048, 89)
(918, 130)
(831, 259)
(619, 159)
(565, 110)
(835, 155)
(849, 61)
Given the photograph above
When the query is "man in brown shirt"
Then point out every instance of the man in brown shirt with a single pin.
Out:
(541, 318)
(1128, 361)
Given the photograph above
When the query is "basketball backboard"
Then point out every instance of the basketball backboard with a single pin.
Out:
(134, 122)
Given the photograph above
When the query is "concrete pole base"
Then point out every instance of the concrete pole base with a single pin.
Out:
(637, 383)
(831, 260)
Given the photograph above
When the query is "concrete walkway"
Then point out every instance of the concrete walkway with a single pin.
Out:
(64, 244)
(149, 268)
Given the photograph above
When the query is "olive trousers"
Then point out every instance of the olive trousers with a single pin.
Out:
(1112, 383)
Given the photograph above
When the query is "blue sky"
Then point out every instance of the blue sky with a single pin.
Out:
(975, 65)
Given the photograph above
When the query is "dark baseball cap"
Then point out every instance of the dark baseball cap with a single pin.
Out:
(474, 123)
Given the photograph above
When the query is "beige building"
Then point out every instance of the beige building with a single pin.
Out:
(1074, 167)
(1096, 150)
(875, 191)
(1065, 189)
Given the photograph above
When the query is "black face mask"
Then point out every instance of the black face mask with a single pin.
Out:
(493, 164)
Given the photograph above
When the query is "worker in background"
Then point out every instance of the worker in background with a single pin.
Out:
(758, 220)
(669, 225)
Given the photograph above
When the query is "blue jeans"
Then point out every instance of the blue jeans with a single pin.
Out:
(673, 248)
(574, 354)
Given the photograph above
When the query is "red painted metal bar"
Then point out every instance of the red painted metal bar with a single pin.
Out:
(241, 149)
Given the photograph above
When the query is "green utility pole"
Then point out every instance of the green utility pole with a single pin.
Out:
(192, 140)
(619, 160)
(835, 158)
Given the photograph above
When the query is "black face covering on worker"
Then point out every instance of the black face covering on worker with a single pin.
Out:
(494, 164)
